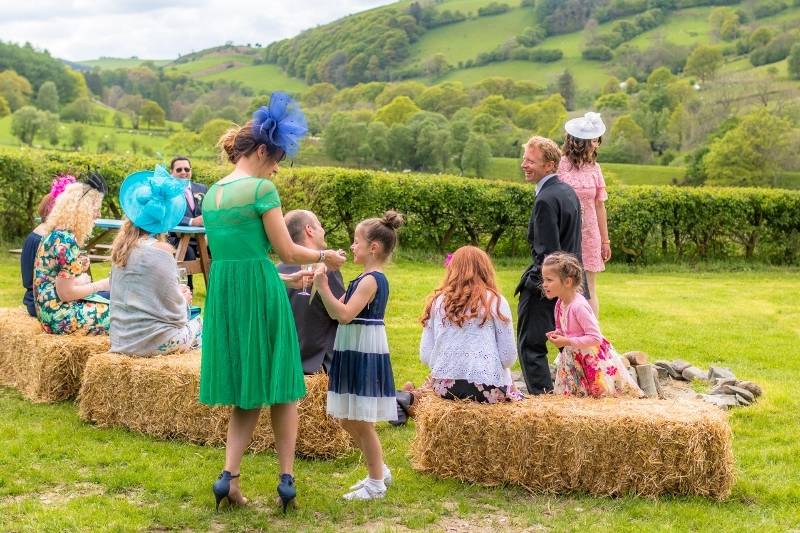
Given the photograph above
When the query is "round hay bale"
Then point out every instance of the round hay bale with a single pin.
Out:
(605, 447)
(158, 396)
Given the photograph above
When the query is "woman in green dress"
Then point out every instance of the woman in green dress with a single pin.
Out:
(251, 356)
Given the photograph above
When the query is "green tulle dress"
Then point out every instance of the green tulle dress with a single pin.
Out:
(251, 357)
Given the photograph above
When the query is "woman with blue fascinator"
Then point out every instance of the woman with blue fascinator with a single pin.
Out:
(148, 304)
(251, 356)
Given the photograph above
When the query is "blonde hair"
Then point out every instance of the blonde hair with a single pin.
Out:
(126, 240)
(547, 147)
(74, 211)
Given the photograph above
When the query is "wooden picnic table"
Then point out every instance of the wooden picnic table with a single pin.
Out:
(200, 265)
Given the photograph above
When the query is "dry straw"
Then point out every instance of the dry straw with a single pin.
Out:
(605, 447)
(158, 396)
(44, 367)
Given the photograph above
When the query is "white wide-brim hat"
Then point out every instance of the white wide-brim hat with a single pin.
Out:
(589, 126)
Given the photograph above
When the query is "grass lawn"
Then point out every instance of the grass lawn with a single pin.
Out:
(57, 473)
(262, 78)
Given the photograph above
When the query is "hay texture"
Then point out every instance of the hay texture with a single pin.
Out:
(43, 367)
(606, 447)
(158, 396)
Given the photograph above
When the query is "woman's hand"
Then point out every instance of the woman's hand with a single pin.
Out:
(335, 258)
(297, 280)
(102, 285)
(83, 279)
(557, 339)
(605, 251)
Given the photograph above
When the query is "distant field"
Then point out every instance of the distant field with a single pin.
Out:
(586, 73)
(112, 63)
(261, 78)
(208, 62)
(507, 168)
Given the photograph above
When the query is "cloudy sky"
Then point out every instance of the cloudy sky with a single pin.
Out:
(153, 29)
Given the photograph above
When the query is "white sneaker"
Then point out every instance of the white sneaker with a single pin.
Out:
(387, 480)
(365, 493)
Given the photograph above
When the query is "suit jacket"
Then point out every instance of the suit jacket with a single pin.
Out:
(198, 193)
(555, 225)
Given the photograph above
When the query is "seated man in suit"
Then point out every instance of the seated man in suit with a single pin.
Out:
(316, 330)
(181, 168)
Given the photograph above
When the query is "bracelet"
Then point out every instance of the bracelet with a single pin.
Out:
(605, 242)
(321, 256)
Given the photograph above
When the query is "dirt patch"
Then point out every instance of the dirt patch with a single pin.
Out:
(59, 494)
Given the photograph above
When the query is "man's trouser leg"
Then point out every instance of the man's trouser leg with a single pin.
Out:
(535, 319)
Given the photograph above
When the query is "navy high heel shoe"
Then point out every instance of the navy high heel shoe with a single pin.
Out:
(222, 490)
(287, 490)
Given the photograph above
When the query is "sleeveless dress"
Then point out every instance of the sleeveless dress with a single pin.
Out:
(360, 382)
(59, 256)
(251, 357)
(590, 186)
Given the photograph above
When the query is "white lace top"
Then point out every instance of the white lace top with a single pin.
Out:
(479, 354)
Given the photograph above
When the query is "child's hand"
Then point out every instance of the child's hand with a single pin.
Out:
(321, 276)
(557, 339)
(335, 258)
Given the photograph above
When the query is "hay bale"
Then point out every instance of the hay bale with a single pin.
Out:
(44, 367)
(158, 396)
(604, 447)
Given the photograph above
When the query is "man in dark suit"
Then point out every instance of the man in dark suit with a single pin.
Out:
(555, 225)
(181, 168)
(316, 330)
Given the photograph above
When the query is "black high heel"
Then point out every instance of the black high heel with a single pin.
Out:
(222, 489)
(287, 490)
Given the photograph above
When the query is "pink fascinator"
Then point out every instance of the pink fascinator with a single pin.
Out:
(447, 260)
(58, 186)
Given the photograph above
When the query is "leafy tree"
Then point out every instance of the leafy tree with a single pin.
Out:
(544, 118)
(531, 36)
(378, 139)
(752, 153)
(704, 62)
(15, 89)
(118, 120)
(213, 130)
(343, 136)
(152, 113)
(660, 77)
(611, 85)
(436, 65)
(477, 155)
(184, 142)
(4, 108)
(27, 121)
(81, 110)
(47, 97)
(401, 143)
(38, 67)
(445, 98)
(318, 94)
(566, 88)
(612, 101)
(411, 89)
(77, 136)
(628, 143)
(397, 111)
(793, 63)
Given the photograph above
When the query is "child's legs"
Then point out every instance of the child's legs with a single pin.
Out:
(367, 440)
(594, 301)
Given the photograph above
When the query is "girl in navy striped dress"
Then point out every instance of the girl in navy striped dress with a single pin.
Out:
(361, 386)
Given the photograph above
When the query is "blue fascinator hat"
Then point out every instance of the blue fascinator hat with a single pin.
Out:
(153, 200)
(281, 123)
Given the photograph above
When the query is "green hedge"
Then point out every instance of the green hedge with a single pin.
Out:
(646, 224)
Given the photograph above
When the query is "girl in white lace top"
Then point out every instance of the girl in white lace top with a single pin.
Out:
(468, 337)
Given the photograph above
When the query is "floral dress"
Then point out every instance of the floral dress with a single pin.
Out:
(590, 186)
(588, 371)
(60, 257)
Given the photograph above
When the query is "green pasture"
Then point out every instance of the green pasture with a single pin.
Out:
(208, 62)
(110, 63)
(154, 140)
(262, 78)
(589, 75)
(57, 473)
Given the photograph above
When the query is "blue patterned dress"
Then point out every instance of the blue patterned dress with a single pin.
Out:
(361, 384)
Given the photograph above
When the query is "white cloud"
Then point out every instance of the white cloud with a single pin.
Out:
(153, 29)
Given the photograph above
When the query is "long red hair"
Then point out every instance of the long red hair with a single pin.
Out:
(469, 289)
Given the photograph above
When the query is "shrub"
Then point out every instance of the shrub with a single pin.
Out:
(597, 53)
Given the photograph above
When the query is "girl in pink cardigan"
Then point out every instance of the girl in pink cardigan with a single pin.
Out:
(588, 365)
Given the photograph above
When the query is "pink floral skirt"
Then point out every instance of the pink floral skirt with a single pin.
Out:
(595, 372)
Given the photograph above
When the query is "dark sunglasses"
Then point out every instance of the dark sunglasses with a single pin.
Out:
(183, 169)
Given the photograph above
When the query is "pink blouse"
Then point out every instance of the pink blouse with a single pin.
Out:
(577, 322)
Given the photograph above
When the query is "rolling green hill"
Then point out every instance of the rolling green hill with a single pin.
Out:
(110, 63)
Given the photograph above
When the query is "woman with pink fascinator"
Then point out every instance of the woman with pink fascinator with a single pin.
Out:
(33, 240)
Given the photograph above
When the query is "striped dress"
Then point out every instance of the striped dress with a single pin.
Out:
(361, 384)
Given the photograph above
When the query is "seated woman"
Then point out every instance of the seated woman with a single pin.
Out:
(149, 307)
(60, 282)
(34, 239)
(468, 338)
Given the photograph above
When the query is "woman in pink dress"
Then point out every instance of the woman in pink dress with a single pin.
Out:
(578, 167)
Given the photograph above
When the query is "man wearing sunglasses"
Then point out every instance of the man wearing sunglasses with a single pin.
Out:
(181, 168)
